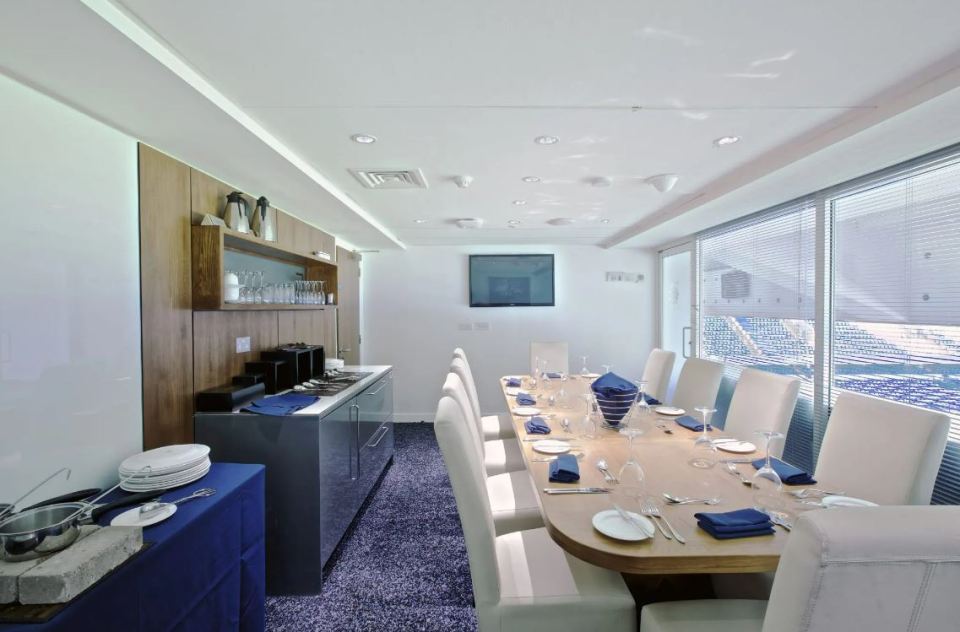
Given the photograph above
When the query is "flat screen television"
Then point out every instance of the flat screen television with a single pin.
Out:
(511, 280)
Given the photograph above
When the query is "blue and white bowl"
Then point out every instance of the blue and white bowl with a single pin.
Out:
(614, 408)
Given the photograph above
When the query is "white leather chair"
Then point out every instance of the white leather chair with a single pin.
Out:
(657, 372)
(556, 354)
(698, 384)
(492, 426)
(877, 569)
(884, 451)
(762, 401)
(523, 581)
(512, 496)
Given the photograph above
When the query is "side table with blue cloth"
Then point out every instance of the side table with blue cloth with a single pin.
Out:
(205, 568)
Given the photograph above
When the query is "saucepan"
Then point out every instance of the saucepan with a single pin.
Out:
(47, 529)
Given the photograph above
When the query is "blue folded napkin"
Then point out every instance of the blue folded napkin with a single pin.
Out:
(565, 469)
(742, 523)
(523, 399)
(652, 401)
(690, 423)
(513, 381)
(553, 375)
(280, 405)
(789, 474)
(536, 425)
(611, 384)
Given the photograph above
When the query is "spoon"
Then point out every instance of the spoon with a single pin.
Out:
(565, 424)
(743, 479)
(682, 500)
(153, 508)
(811, 491)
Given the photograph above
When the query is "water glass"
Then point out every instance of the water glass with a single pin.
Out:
(766, 482)
(704, 451)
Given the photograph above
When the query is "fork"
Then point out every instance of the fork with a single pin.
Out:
(650, 510)
(683, 500)
(743, 479)
(602, 466)
(812, 491)
(653, 510)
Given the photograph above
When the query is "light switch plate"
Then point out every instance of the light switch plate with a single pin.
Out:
(243, 344)
(465, 326)
(481, 326)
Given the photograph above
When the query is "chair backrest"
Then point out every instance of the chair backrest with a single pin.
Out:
(461, 367)
(454, 388)
(884, 451)
(882, 569)
(555, 353)
(657, 372)
(698, 384)
(762, 401)
(465, 470)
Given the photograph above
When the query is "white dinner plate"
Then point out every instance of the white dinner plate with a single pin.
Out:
(611, 524)
(131, 517)
(526, 411)
(551, 446)
(846, 501)
(513, 391)
(669, 410)
(170, 458)
(737, 447)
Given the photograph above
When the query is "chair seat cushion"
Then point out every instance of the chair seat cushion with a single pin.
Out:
(497, 427)
(542, 588)
(704, 615)
(513, 502)
(502, 456)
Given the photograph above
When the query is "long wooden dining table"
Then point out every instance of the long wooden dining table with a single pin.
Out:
(664, 458)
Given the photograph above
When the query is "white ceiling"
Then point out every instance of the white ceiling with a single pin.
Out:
(464, 87)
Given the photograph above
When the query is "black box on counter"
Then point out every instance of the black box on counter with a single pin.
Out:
(248, 379)
(276, 374)
(301, 359)
(224, 399)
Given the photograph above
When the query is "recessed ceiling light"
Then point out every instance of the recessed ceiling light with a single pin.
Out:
(546, 140)
(726, 140)
(419, 221)
(663, 182)
(363, 139)
(513, 222)
(605, 221)
(519, 202)
(561, 221)
(601, 182)
(530, 179)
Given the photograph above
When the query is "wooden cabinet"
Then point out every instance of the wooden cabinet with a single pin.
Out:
(208, 196)
(297, 236)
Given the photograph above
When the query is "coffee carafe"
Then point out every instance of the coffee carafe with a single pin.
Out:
(235, 213)
(263, 221)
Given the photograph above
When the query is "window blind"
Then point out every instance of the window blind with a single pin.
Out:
(757, 308)
(896, 315)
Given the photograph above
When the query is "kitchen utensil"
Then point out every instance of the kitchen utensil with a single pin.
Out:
(607, 476)
(743, 479)
(235, 213)
(649, 509)
(813, 491)
(683, 500)
(554, 491)
(154, 508)
(263, 221)
(10, 507)
(653, 510)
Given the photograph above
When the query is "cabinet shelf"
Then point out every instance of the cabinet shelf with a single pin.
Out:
(274, 307)
(208, 245)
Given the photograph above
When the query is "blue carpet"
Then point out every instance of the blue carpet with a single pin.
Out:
(403, 565)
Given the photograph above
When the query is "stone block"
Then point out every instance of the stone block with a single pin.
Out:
(10, 572)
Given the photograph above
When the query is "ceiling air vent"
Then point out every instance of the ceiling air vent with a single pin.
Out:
(390, 178)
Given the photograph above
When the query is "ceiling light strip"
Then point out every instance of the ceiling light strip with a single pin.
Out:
(151, 44)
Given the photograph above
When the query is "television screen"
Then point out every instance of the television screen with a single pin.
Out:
(511, 280)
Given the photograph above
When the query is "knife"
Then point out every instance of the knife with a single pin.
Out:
(737, 460)
(576, 490)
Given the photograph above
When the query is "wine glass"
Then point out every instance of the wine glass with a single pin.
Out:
(704, 451)
(588, 425)
(562, 401)
(766, 482)
(607, 368)
(642, 406)
(544, 376)
(584, 371)
(534, 370)
(632, 426)
(633, 481)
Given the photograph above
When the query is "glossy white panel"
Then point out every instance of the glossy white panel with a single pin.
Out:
(70, 385)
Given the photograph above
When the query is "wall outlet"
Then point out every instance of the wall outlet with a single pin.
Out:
(465, 326)
(481, 326)
(243, 344)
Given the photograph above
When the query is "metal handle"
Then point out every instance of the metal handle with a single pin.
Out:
(383, 433)
(685, 351)
(383, 383)
(355, 457)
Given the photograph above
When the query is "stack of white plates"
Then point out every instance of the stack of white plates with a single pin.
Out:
(169, 466)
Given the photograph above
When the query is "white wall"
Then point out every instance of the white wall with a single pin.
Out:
(415, 300)
(70, 387)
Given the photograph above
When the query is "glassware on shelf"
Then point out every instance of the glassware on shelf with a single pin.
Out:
(766, 483)
(258, 287)
(583, 368)
(704, 451)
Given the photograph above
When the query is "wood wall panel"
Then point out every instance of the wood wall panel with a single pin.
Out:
(215, 333)
(209, 195)
(348, 304)
(318, 327)
(165, 294)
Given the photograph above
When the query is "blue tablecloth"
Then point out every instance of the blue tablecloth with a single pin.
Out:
(204, 571)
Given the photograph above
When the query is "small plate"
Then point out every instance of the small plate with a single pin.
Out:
(846, 501)
(513, 391)
(507, 378)
(610, 524)
(551, 446)
(737, 447)
(669, 410)
(589, 376)
(526, 411)
(131, 517)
